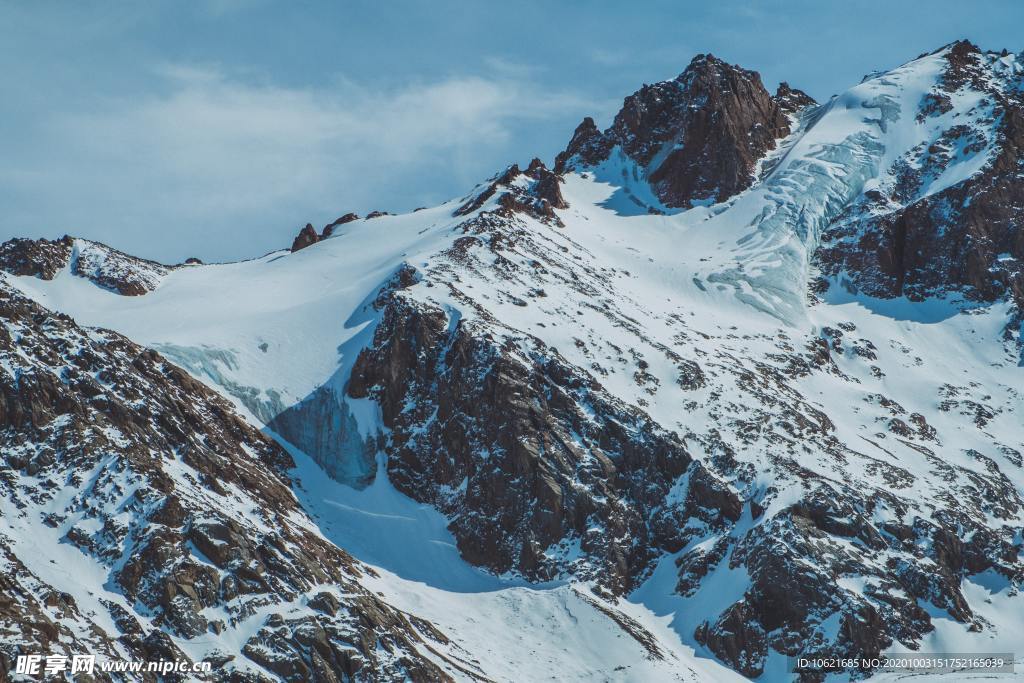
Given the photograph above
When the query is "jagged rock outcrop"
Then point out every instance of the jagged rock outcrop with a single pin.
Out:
(585, 147)
(697, 137)
(791, 100)
(487, 424)
(329, 228)
(535, 192)
(306, 237)
(40, 258)
(546, 188)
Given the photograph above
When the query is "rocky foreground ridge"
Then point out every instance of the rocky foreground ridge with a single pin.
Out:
(176, 515)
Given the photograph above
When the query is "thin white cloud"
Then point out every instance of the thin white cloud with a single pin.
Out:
(212, 148)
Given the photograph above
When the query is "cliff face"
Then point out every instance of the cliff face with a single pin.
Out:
(500, 441)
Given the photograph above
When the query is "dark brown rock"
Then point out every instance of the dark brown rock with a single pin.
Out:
(104, 266)
(698, 137)
(39, 258)
(547, 189)
(503, 179)
(329, 228)
(586, 144)
(539, 199)
(792, 100)
(524, 413)
(306, 237)
(738, 639)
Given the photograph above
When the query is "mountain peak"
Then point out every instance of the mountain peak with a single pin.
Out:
(710, 64)
(696, 138)
(582, 138)
(306, 237)
(963, 46)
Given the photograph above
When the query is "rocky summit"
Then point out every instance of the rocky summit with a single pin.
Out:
(737, 379)
(696, 138)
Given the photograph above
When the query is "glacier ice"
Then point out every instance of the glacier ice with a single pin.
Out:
(771, 261)
(776, 224)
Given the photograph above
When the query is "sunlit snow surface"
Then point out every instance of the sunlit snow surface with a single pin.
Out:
(270, 331)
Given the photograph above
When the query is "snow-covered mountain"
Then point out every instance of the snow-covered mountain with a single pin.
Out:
(737, 379)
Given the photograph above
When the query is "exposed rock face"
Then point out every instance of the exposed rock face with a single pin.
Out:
(545, 472)
(179, 504)
(738, 639)
(904, 238)
(697, 137)
(38, 258)
(117, 271)
(329, 228)
(486, 423)
(104, 266)
(586, 147)
(536, 193)
(792, 100)
(306, 237)
(546, 188)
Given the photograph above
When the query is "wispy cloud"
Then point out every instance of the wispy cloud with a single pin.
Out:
(209, 148)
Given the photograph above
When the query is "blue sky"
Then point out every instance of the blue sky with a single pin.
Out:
(217, 129)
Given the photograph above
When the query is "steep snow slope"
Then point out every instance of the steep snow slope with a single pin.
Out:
(819, 473)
